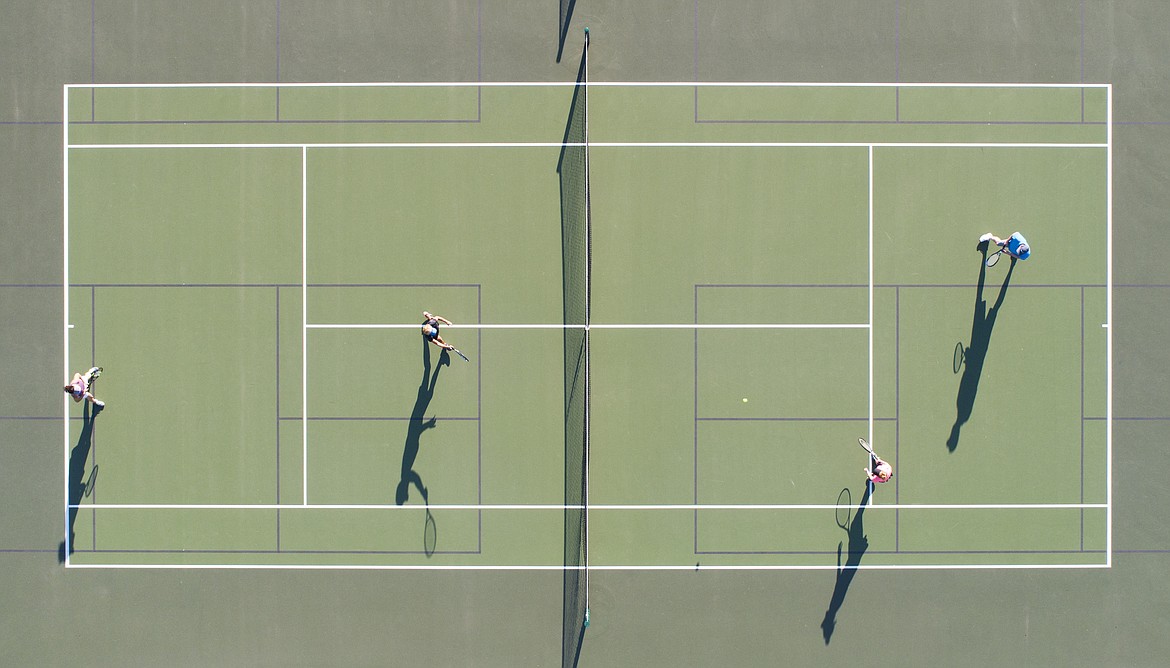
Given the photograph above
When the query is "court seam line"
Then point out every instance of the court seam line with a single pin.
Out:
(561, 507)
(374, 418)
(592, 145)
(472, 121)
(260, 551)
(561, 567)
(471, 285)
(599, 84)
(1134, 123)
(277, 377)
(600, 326)
(1081, 422)
(804, 418)
(304, 324)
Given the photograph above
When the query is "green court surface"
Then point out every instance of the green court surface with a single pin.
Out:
(761, 294)
(240, 209)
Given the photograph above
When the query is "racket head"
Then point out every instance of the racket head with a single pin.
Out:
(456, 351)
(959, 356)
(865, 445)
(993, 258)
(430, 534)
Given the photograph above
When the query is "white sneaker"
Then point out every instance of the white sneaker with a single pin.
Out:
(99, 404)
(985, 237)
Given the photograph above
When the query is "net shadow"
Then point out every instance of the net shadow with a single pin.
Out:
(563, 26)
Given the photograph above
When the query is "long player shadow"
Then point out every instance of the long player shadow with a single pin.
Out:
(417, 425)
(77, 458)
(982, 323)
(858, 544)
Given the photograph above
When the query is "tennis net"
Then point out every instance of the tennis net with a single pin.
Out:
(573, 169)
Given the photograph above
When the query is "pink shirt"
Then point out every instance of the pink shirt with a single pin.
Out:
(881, 464)
(78, 389)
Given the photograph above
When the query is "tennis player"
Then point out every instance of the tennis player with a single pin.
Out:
(1015, 245)
(882, 471)
(79, 387)
(430, 330)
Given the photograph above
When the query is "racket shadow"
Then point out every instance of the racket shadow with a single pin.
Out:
(430, 533)
(982, 323)
(857, 545)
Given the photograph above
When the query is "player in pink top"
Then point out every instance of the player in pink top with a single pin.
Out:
(79, 387)
(882, 471)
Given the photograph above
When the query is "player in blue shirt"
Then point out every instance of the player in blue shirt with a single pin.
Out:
(1015, 245)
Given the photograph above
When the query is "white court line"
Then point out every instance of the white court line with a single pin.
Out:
(592, 145)
(304, 324)
(1109, 330)
(562, 507)
(606, 326)
(870, 207)
(558, 567)
(597, 84)
(870, 145)
(65, 315)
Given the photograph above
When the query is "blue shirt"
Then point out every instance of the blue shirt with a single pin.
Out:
(1015, 243)
(434, 333)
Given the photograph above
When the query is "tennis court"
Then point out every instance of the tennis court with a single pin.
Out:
(735, 288)
(680, 317)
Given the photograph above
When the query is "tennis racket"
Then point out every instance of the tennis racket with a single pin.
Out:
(93, 378)
(995, 257)
(456, 351)
(866, 446)
(959, 356)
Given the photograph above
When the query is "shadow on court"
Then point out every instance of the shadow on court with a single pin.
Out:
(418, 425)
(563, 27)
(973, 357)
(858, 544)
(79, 487)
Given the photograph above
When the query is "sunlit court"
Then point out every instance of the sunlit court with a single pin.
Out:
(681, 306)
